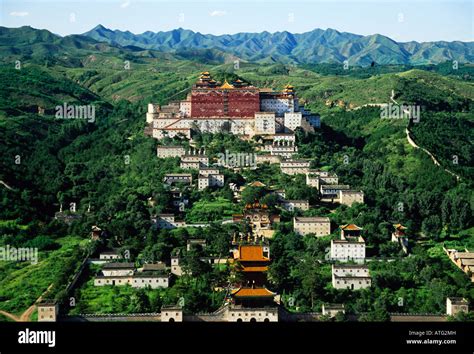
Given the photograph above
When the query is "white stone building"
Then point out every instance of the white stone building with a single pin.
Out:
(344, 251)
(171, 314)
(291, 205)
(171, 178)
(282, 148)
(138, 280)
(203, 159)
(243, 314)
(349, 197)
(190, 165)
(210, 177)
(320, 226)
(259, 159)
(329, 179)
(265, 123)
(332, 310)
(289, 137)
(331, 191)
(121, 274)
(167, 221)
(293, 167)
(110, 255)
(118, 269)
(170, 151)
(312, 181)
(455, 305)
(176, 266)
(350, 276)
(293, 120)
(47, 311)
(149, 279)
(193, 242)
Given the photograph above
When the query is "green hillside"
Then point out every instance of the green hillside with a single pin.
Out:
(109, 168)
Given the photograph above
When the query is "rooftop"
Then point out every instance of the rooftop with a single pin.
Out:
(251, 253)
(154, 266)
(465, 255)
(252, 292)
(257, 183)
(311, 219)
(170, 147)
(295, 161)
(333, 306)
(335, 186)
(351, 227)
(351, 191)
(178, 174)
(399, 227)
(119, 265)
(359, 240)
(255, 269)
(350, 266)
(151, 274)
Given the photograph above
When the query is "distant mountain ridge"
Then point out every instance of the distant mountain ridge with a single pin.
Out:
(317, 46)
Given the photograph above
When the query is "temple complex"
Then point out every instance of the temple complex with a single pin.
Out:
(251, 263)
(236, 107)
(259, 218)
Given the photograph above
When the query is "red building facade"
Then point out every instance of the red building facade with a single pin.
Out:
(209, 100)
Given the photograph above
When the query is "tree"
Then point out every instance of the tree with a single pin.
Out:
(251, 194)
(431, 226)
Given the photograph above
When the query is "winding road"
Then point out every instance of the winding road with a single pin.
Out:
(25, 316)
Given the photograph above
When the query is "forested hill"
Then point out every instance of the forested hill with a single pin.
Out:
(76, 161)
(317, 46)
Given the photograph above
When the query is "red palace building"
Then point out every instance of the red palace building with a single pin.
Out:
(238, 108)
(210, 100)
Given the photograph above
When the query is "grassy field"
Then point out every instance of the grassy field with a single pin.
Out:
(21, 283)
(204, 211)
(114, 299)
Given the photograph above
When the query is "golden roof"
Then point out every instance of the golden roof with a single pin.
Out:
(251, 253)
(399, 227)
(255, 292)
(254, 269)
(226, 85)
(351, 227)
(256, 184)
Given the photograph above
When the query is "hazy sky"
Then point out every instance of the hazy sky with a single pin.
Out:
(401, 20)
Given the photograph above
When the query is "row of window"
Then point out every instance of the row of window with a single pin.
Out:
(135, 281)
(247, 315)
(345, 282)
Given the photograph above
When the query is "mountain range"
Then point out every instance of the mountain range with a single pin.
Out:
(317, 46)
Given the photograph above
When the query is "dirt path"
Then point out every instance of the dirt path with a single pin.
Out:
(25, 316)
(6, 185)
(10, 316)
(413, 144)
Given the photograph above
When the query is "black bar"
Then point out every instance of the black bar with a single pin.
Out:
(192, 337)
